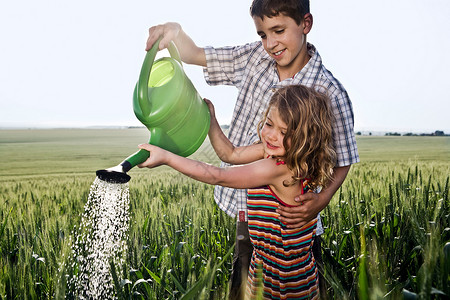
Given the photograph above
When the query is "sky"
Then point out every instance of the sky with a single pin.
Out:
(75, 63)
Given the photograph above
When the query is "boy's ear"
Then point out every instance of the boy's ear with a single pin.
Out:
(307, 23)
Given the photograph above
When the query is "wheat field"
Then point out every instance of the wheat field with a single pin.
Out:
(387, 230)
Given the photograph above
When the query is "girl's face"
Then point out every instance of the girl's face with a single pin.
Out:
(272, 134)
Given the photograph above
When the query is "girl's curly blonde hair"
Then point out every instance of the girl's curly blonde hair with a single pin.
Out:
(309, 137)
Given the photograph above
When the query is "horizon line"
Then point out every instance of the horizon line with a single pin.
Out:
(50, 127)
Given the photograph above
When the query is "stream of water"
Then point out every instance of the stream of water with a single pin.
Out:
(99, 241)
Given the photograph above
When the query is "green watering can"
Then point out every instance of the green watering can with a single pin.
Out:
(167, 103)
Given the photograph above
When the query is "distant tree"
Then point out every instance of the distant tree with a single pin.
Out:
(393, 134)
(358, 133)
(439, 133)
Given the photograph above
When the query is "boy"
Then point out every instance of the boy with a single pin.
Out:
(282, 57)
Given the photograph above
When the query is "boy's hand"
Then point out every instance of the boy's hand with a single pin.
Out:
(189, 52)
(310, 204)
(168, 32)
(157, 157)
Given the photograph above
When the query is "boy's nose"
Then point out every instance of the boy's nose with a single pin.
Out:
(271, 42)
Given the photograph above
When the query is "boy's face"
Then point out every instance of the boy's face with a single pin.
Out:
(285, 41)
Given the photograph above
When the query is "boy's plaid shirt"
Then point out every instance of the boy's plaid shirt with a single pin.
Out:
(254, 73)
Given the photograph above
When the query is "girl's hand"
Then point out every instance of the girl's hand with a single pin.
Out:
(158, 156)
(211, 108)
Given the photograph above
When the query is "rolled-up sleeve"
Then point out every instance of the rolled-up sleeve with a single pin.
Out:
(226, 65)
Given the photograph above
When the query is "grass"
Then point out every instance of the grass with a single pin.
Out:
(386, 230)
(393, 224)
(404, 148)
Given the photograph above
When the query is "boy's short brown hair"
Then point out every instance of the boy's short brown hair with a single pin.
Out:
(296, 9)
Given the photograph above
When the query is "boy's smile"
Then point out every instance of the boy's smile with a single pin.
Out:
(285, 41)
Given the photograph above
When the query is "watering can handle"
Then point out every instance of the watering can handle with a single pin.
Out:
(142, 86)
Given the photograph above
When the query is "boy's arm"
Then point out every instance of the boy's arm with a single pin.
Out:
(312, 203)
(261, 172)
(225, 150)
(190, 53)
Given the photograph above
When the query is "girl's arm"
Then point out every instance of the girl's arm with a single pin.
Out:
(226, 151)
(261, 172)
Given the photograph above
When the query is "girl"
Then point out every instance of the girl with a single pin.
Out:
(294, 155)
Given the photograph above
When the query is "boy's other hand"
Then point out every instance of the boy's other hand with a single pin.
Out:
(310, 204)
(168, 32)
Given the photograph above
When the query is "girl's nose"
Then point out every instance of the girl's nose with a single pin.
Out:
(271, 135)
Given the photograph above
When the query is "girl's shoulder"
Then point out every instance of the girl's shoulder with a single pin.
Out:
(282, 174)
(276, 166)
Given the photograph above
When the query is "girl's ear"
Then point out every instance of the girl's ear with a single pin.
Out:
(307, 23)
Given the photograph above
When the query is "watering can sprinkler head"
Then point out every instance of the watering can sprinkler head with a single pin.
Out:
(112, 176)
(118, 174)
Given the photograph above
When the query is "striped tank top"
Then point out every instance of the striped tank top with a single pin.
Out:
(282, 264)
